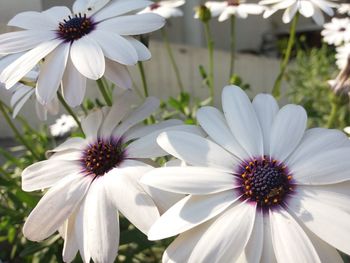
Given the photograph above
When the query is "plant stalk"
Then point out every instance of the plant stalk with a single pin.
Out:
(104, 91)
(210, 45)
(69, 110)
(232, 45)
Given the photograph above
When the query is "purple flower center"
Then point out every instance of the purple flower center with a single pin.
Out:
(75, 27)
(102, 156)
(154, 6)
(233, 2)
(265, 181)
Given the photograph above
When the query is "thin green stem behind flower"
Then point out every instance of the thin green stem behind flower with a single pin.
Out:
(232, 45)
(143, 78)
(103, 87)
(277, 86)
(210, 45)
(69, 110)
(172, 59)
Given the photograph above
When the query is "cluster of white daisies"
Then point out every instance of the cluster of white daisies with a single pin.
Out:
(250, 184)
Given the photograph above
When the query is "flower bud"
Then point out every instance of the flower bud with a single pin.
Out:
(203, 13)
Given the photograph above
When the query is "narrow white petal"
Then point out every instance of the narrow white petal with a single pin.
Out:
(143, 52)
(51, 73)
(139, 114)
(20, 67)
(214, 123)
(242, 120)
(328, 167)
(315, 141)
(306, 8)
(81, 232)
(225, 15)
(227, 235)
(287, 130)
(73, 85)
(190, 180)
(20, 91)
(21, 103)
(89, 7)
(328, 222)
(76, 143)
(289, 14)
(118, 74)
(133, 24)
(268, 254)
(172, 3)
(147, 146)
(189, 212)
(116, 8)
(91, 124)
(33, 20)
(55, 207)
(20, 41)
(318, 16)
(70, 247)
(196, 150)
(127, 195)
(290, 242)
(88, 58)
(57, 13)
(115, 47)
(266, 109)
(47, 173)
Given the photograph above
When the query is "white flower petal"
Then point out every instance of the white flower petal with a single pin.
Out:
(290, 242)
(57, 13)
(47, 173)
(226, 14)
(172, 3)
(118, 74)
(196, 150)
(102, 225)
(21, 103)
(190, 212)
(81, 232)
(306, 8)
(318, 16)
(88, 7)
(128, 196)
(116, 8)
(190, 180)
(242, 120)
(142, 51)
(139, 114)
(20, 67)
(33, 20)
(70, 247)
(55, 207)
(328, 167)
(91, 124)
(115, 47)
(328, 222)
(87, 57)
(215, 7)
(73, 85)
(287, 130)
(51, 73)
(133, 24)
(289, 14)
(214, 123)
(75, 143)
(147, 146)
(268, 254)
(226, 243)
(315, 141)
(266, 109)
(20, 41)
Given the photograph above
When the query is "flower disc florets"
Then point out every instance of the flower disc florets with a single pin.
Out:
(265, 181)
(75, 27)
(154, 6)
(233, 2)
(102, 156)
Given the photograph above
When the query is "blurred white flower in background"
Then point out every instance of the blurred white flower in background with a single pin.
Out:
(307, 8)
(77, 46)
(166, 9)
(344, 9)
(258, 190)
(342, 55)
(224, 10)
(347, 130)
(63, 126)
(337, 31)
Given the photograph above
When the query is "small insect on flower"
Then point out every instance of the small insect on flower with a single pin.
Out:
(259, 188)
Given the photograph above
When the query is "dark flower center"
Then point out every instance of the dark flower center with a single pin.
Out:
(342, 29)
(102, 156)
(154, 6)
(265, 181)
(233, 2)
(75, 27)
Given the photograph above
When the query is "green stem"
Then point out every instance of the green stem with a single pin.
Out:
(16, 131)
(210, 45)
(104, 91)
(172, 59)
(277, 86)
(143, 78)
(69, 110)
(232, 46)
(334, 112)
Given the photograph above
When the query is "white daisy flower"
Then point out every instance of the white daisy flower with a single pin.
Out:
(77, 46)
(342, 55)
(63, 126)
(91, 180)
(347, 130)
(344, 9)
(307, 8)
(166, 9)
(23, 91)
(261, 188)
(337, 31)
(224, 10)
